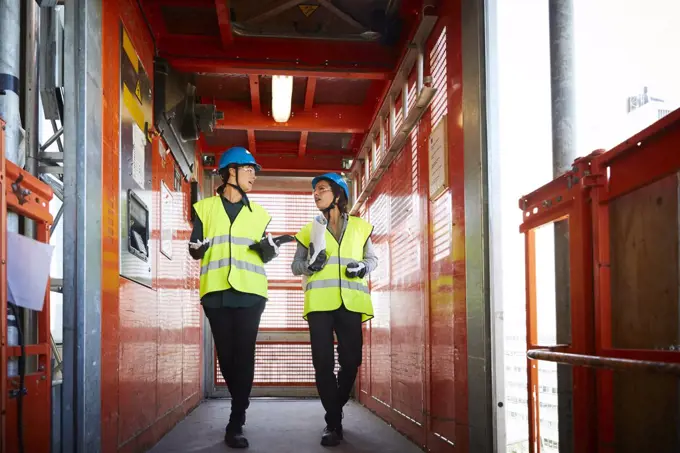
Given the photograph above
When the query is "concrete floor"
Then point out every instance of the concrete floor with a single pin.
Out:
(282, 426)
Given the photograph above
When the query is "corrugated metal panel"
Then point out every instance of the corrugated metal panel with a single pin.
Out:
(406, 321)
(413, 288)
(381, 362)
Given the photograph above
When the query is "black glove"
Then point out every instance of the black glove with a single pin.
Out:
(197, 249)
(320, 260)
(266, 248)
(355, 270)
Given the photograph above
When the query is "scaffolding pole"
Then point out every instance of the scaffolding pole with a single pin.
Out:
(31, 109)
(561, 26)
(10, 68)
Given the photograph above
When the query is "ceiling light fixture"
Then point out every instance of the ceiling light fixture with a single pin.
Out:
(282, 96)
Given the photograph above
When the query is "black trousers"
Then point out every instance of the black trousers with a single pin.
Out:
(335, 392)
(234, 331)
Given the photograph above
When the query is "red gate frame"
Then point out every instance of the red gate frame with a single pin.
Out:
(566, 197)
(38, 399)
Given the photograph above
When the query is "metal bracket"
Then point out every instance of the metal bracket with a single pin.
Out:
(19, 191)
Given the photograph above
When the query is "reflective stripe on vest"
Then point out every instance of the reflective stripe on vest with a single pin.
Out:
(330, 288)
(228, 262)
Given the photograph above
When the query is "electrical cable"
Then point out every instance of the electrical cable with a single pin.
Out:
(20, 396)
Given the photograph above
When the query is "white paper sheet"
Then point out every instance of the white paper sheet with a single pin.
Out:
(28, 270)
(318, 237)
(138, 155)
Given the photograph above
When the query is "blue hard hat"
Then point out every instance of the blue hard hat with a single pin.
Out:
(238, 155)
(333, 177)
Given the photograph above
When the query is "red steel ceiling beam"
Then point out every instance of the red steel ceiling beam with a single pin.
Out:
(302, 148)
(322, 118)
(309, 103)
(271, 147)
(266, 56)
(224, 21)
(255, 94)
(256, 108)
(294, 163)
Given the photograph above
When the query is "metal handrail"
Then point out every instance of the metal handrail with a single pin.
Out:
(612, 363)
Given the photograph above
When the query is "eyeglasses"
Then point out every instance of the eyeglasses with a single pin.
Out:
(250, 170)
(321, 190)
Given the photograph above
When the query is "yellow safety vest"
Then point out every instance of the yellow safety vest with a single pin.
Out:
(329, 288)
(228, 262)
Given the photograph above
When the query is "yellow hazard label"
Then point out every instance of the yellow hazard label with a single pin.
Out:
(138, 90)
(308, 10)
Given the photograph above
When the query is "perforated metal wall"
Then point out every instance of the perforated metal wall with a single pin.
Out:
(282, 365)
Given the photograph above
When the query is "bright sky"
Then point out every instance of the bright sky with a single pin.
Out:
(621, 46)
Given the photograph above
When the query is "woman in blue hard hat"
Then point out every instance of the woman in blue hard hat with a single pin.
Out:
(233, 283)
(336, 297)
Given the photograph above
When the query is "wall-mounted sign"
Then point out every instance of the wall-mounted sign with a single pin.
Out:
(438, 159)
(167, 229)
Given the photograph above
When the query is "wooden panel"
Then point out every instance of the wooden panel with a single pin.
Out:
(644, 288)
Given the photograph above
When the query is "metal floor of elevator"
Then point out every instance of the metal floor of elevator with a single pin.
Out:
(283, 426)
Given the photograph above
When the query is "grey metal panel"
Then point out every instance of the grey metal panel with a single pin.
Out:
(81, 410)
(495, 225)
(476, 228)
(135, 266)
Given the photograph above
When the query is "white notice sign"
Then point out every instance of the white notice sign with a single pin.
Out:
(138, 154)
(166, 221)
(438, 158)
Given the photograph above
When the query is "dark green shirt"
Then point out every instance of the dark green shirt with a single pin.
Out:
(230, 297)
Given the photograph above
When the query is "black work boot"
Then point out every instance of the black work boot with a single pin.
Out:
(331, 436)
(234, 437)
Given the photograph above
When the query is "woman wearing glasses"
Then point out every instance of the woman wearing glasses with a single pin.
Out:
(337, 298)
(233, 283)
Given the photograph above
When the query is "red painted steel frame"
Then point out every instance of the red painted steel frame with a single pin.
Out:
(641, 160)
(567, 197)
(263, 56)
(37, 400)
(583, 196)
(321, 118)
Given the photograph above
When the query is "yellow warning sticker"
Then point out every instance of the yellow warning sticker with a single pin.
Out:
(138, 90)
(308, 10)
